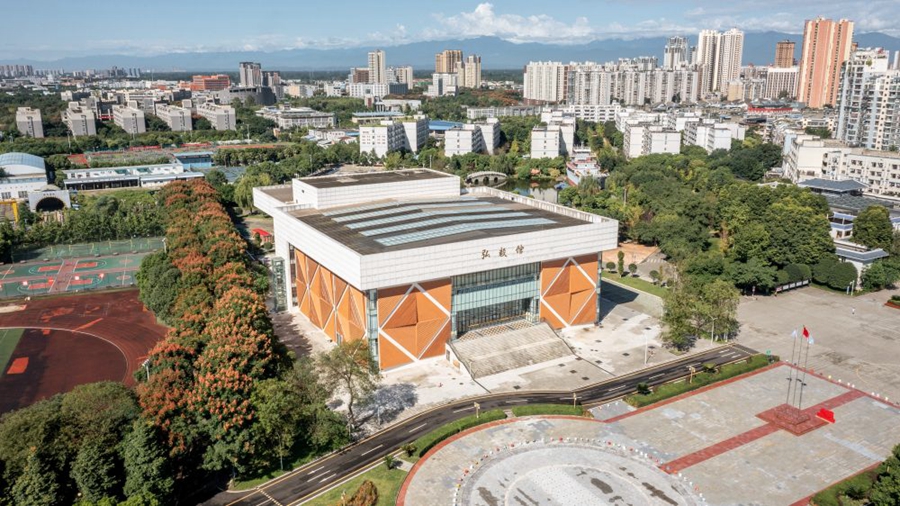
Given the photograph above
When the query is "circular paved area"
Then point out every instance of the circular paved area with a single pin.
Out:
(546, 461)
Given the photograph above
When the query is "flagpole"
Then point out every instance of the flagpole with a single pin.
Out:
(797, 374)
(791, 369)
(803, 381)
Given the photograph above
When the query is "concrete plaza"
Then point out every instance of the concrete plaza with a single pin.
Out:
(711, 442)
(856, 339)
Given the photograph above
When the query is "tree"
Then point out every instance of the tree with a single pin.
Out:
(842, 275)
(96, 472)
(611, 266)
(654, 276)
(873, 228)
(346, 370)
(880, 274)
(279, 416)
(632, 268)
(886, 490)
(366, 495)
(621, 264)
(147, 470)
(37, 485)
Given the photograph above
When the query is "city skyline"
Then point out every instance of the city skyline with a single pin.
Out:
(130, 29)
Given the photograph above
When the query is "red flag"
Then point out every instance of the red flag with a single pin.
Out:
(805, 332)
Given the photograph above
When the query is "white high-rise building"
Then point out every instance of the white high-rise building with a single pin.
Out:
(869, 101)
(402, 75)
(469, 72)
(719, 57)
(377, 73)
(250, 74)
(129, 118)
(545, 82)
(676, 53)
(221, 117)
(178, 119)
(80, 120)
(782, 82)
(29, 123)
(442, 85)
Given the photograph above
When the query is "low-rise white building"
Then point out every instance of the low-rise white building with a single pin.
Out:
(640, 138)
(29, 123)
(393, 135)
(806, 155)
(555, 136)
(81, 121)
(482, 137)
(297, 117)
(711, 135)
(24, 173)
(148, 176)
(366, 90)
(221, 117)
(129, 118)
(178, 118)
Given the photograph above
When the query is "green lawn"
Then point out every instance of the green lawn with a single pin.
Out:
(637, 284)
(387, 482)
(9, 338)
(548, 409)
(701, 379)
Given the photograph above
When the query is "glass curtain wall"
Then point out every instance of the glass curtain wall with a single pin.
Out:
(488, 297)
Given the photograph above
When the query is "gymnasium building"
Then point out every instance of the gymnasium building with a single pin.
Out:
(409, 262)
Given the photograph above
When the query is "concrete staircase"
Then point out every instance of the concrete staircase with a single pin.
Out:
(511, 349)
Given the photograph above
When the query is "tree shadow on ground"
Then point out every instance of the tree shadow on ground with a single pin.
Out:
(388, 402)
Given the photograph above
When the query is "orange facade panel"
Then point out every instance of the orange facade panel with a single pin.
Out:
(414, 322)
(568, 291)
(329, 302)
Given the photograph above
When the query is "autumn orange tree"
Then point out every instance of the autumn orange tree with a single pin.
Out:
(221, 342)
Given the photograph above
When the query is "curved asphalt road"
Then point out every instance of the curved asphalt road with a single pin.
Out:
(305, 482)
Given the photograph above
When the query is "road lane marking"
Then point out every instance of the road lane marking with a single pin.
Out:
(620, 387)
(372, 450)
(657, 375)
(311, 479)
(419, 427)
(314, 471)
(515, 401)
(329, 476)
(463, 409)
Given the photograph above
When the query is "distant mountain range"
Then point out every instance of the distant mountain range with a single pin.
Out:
(496, 53)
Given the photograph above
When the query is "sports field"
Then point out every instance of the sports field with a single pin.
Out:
(69, 275)
(49, 346)
(9, 339)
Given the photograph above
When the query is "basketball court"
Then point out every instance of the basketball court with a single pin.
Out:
(69, 275)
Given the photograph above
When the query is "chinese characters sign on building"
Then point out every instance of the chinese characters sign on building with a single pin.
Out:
(502, 252)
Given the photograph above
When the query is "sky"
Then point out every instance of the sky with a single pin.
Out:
(52, 29)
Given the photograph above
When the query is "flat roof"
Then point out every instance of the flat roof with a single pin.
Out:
(283, 193)
(390, 225)
(856, 204)
(844, 185)
(367, 178)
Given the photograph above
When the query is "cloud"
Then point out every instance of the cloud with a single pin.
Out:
(484, 21)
